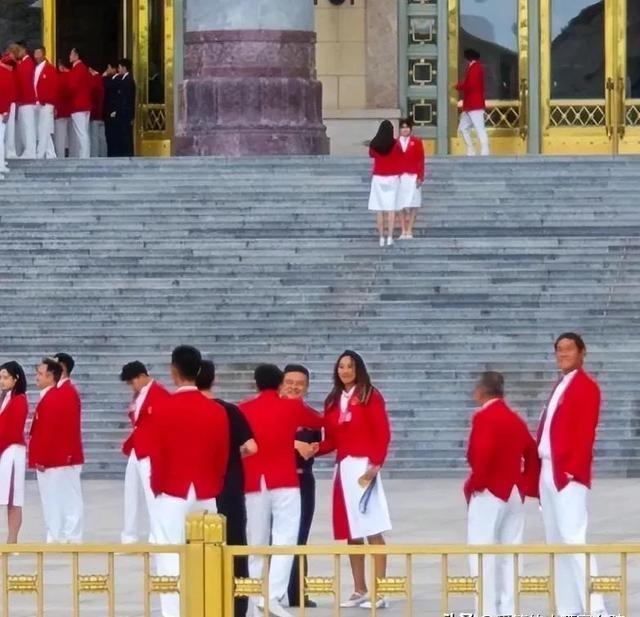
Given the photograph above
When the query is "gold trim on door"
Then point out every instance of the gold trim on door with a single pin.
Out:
(506, 120)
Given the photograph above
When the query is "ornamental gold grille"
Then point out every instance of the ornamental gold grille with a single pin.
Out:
(503, 116)
(316, 585)
(577, 115)
(154, 118)
(632, 114)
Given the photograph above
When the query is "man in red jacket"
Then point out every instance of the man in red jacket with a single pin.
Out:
(504, 469)
(80, 106)
(272, 484)
(147, 395)
(46, 83)
(188, 461)
(63, 112)
(51, 454)
(26, 100)
(473, 104)
(7, 98)
(566, 437)
(96, 125)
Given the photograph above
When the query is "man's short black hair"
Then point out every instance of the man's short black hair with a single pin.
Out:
(126, 63)
(471, 54)
(66, 360)
(207, 375)
(187, 360)
(131, 370)
(492, 382)
(297, 368)
(54, 367)
(572, 336)
(21, 43)
(268, 377)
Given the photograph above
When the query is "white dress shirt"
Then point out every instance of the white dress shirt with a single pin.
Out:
(544, 449)
(404, 142)
(36, 75)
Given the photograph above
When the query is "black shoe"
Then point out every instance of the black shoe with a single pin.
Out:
(309, 603)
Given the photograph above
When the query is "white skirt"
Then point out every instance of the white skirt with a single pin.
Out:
(376, 518)
(409, 193)
(384, 193)
(12, 470)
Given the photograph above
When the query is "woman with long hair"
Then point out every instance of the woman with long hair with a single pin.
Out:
(357, 428)
(384, 182)
(411, 168)
(13, 452)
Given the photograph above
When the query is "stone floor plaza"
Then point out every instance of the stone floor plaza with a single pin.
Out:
(423, 512)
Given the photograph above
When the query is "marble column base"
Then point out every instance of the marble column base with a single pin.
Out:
(248, 93)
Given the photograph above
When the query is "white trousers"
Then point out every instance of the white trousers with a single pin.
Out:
(474, 119)
(169, 528)
(10, 134)
(61, 136)
(3, 164)
(493, 521)
(273, 517)
(565, 518)
(27, 130)
(62, 506)
(98, 139)
(137, 479)
(79, 140)
(45, 129)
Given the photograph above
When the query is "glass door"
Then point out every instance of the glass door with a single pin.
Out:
(498, 30)
(628, 78)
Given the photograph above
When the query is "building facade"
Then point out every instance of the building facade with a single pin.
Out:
(562, 76)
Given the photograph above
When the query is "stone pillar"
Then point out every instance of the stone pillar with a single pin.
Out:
(250, 82)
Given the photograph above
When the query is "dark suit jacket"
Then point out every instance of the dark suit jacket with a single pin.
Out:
(125, 99)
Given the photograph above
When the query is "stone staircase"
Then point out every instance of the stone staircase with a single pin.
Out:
(276, 259)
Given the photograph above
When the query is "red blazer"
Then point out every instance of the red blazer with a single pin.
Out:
(411, 161)
(63, 104)
(7, 89)
(501, 453)
(25, 70)
(385, 164)
(142, 435)
(72, 409)
(274, 422)
(191, 446)
(97, 97)
(573, 431)
(12, 421)
(80, 87)
(366, 433)
(472, 87)
(47, 85)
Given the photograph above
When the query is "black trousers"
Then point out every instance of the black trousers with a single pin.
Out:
(232, 505)
(119, 135)
(308, 507)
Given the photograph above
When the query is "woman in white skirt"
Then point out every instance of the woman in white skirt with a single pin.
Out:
(411, 167)
(384, 183)
(357, 428)
(13, 415)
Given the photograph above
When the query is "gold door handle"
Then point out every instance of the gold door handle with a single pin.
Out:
(524, 108)
(622, 118)
(608, 107)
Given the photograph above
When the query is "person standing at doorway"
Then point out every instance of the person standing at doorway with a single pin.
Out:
(504, 466)
(63, 112)
(411, 167)
(96, 124)
(7, 97)
(566, 438)
(147, 395)
(110, 80)
(46, 84)
(80, 106)
(124, 109)
(9, 94)
(26, 100)
(383, 196)
(473, 103)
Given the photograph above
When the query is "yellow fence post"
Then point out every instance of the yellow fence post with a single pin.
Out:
(215, 536)
(192, 569)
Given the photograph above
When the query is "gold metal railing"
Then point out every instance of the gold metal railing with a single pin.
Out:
(208, 587)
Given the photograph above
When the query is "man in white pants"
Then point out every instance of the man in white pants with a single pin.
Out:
(26, 100)
(147, 394)
(80, 107)
(473, 104)
(6, 96)
(46, 86)
(52, 453)
(504, 469)
(272, 485)
(566, 436)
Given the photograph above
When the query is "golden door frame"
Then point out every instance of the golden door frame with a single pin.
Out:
(506, 120)
(608, 125)
(154, 124)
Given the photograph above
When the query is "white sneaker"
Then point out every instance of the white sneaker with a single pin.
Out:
(275, 608)
(409, 237)
(389, 240)
(356, 599)
(381, 240)
(381, 603)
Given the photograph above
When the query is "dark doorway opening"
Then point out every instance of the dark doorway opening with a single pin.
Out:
(95, 27)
